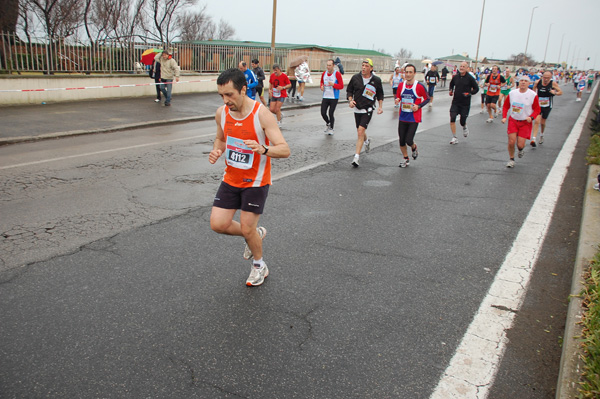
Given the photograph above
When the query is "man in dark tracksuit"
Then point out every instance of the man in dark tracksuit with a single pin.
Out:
(465, 86)
(362, 92)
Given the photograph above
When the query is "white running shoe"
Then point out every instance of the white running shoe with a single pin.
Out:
(330, 133)
(597, 186)
(490, 120)
(327, 129)
(355, 161)
(510, 164)
(454, 140)
(404, 162)
(157, 100)
(465, 131)
(257, 275)
(541, 138)
(262, 232)
(521, 153)
(367, 145)
(481, 112)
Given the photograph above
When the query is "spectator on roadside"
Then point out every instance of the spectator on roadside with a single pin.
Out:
(155, 74)
(444, 76)
(169, 71)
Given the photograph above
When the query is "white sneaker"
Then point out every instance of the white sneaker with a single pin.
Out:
(521, 153)
(279, 123)
(541, 138)
(510, 164)
(490, 120)
(156, 100)
(355, 161)
(465, 131)
(481, 112)
(454, 140)
(257, 275)
(330, 133)
(597, 186)
(367, 145)
(327, 128)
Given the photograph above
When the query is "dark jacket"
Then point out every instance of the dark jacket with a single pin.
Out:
(260, 75)
(464, 87)
(356, 88)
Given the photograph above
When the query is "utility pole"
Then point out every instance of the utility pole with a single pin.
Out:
(479, 37)
(273, 35)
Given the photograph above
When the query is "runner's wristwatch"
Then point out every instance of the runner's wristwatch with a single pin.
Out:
(266, 149)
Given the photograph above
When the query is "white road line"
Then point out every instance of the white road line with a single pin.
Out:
(473, 367)
(87, 154)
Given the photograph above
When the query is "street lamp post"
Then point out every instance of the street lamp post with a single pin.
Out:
(479, 38)
(547, 41)
(560, 49)
(567, 57)
(528, 32)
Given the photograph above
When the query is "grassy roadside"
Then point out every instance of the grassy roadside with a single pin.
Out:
(590, 378)
(590, 385)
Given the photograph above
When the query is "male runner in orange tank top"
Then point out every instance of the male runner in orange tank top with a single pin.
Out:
(248, 136)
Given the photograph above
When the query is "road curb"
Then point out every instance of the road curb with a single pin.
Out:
(131, 126)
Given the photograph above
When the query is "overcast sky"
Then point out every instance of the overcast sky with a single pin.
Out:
(433, 28)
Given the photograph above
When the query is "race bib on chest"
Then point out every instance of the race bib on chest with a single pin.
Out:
(407, 103)
(431, 80)
(544, 101)
(369, 92)
(493, 88)
(238, 154)
(517, 108)
(276, 93)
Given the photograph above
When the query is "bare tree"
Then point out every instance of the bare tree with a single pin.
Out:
(195, 25)
(104, 19)
(225, 31)
(163, 14)
(58, 17)
(403, 54)
(522, 59)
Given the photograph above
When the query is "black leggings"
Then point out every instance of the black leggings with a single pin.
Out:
(406, 132)
(157, 81)
(330, 103)
(293, 88)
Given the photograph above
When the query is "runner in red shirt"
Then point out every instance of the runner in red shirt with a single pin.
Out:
(278, 84)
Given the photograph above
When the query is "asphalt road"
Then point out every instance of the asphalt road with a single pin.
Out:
(375, 272)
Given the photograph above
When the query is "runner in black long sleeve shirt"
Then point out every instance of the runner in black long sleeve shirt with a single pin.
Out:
(465, 86)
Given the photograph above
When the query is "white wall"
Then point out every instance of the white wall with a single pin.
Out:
(11, 87)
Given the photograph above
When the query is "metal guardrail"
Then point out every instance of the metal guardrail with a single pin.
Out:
(64, 56)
